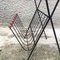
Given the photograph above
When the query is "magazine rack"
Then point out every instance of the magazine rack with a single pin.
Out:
(28, 38)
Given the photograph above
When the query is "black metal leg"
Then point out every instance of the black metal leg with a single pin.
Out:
(52, 26)
(55, 35)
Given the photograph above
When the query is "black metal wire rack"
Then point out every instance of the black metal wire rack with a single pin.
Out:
(28, 38)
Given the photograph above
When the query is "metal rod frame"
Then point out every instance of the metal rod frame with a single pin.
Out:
(36, 11)
(45, 24)
(49, 18)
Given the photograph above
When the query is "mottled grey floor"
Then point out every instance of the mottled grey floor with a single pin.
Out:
(15, 52)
